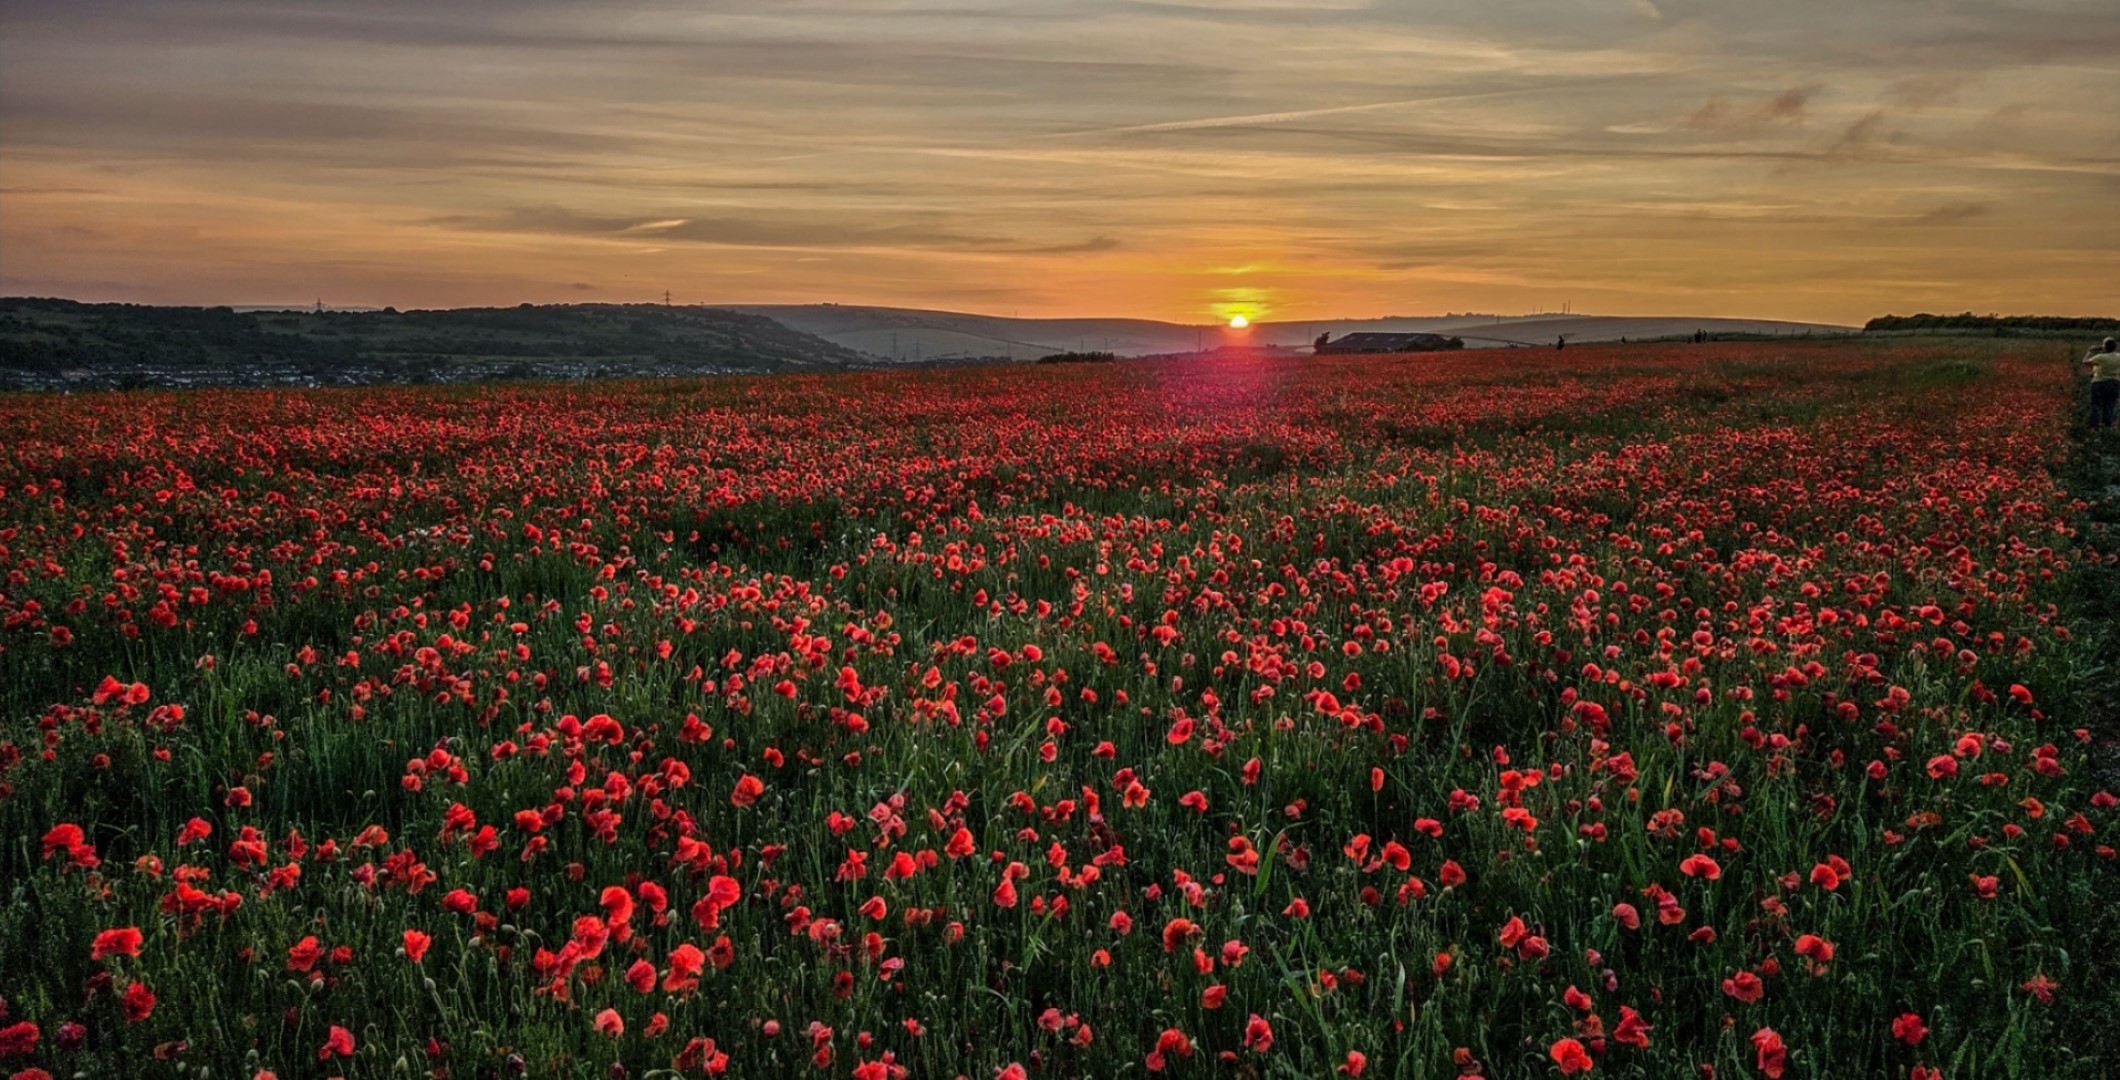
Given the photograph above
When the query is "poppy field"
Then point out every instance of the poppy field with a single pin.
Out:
(1724, 710)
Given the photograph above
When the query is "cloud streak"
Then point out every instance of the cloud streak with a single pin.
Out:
(1787, 107)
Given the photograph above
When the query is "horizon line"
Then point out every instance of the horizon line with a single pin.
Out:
(1255, 323)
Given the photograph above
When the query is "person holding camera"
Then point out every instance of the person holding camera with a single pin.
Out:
(2104, 363)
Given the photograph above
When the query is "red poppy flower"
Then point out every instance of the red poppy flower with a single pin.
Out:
(338, 1041)
(1513, 932)
(18, 1039)
(69, 839)
(1908, 1028)
(722, 893)
(1170, 1042)
(1744, 986)
(122, 941)
(2041, 987)
(686, 962)
(139, 1002)
(1571, 1057)
(1258, 1034)
(1396, 856)
(108, 689)
(1816, 949)
(304, 954)
(617, 904)
(1773, 1057)
(1175, 932)
(641, 976)
(1631, 1031)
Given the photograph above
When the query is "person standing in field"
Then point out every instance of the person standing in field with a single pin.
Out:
(2104, 363)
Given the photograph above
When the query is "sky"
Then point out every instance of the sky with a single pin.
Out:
(1824, 160)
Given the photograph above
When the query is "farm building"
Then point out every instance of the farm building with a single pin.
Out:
(1385, 343)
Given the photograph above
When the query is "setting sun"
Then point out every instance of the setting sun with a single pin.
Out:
(1238, 322)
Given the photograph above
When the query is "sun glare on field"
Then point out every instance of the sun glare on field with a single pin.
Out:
(1238, 322)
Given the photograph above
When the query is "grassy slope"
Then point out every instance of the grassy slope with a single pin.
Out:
(103, 339)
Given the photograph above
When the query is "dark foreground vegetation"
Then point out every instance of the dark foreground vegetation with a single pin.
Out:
(1630, 712)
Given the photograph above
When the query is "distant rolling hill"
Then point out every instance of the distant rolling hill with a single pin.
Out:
(1545, 329)
(909, 335)
(61, 344)
(57, 344)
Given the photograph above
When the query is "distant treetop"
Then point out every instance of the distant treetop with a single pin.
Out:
(1970, 321)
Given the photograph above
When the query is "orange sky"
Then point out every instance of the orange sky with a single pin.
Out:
(1182, 159)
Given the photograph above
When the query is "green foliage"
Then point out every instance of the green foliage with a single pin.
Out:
(1995, 323)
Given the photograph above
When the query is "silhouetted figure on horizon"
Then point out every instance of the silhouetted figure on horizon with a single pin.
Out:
(1560, 343)
(2104, 363)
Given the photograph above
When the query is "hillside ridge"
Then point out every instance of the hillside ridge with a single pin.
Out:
(916, 335)
(64, 344)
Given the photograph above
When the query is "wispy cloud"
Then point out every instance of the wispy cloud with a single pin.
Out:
(1927, 90)
(1954, 213)
(1721, 117)
(1251, 119)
